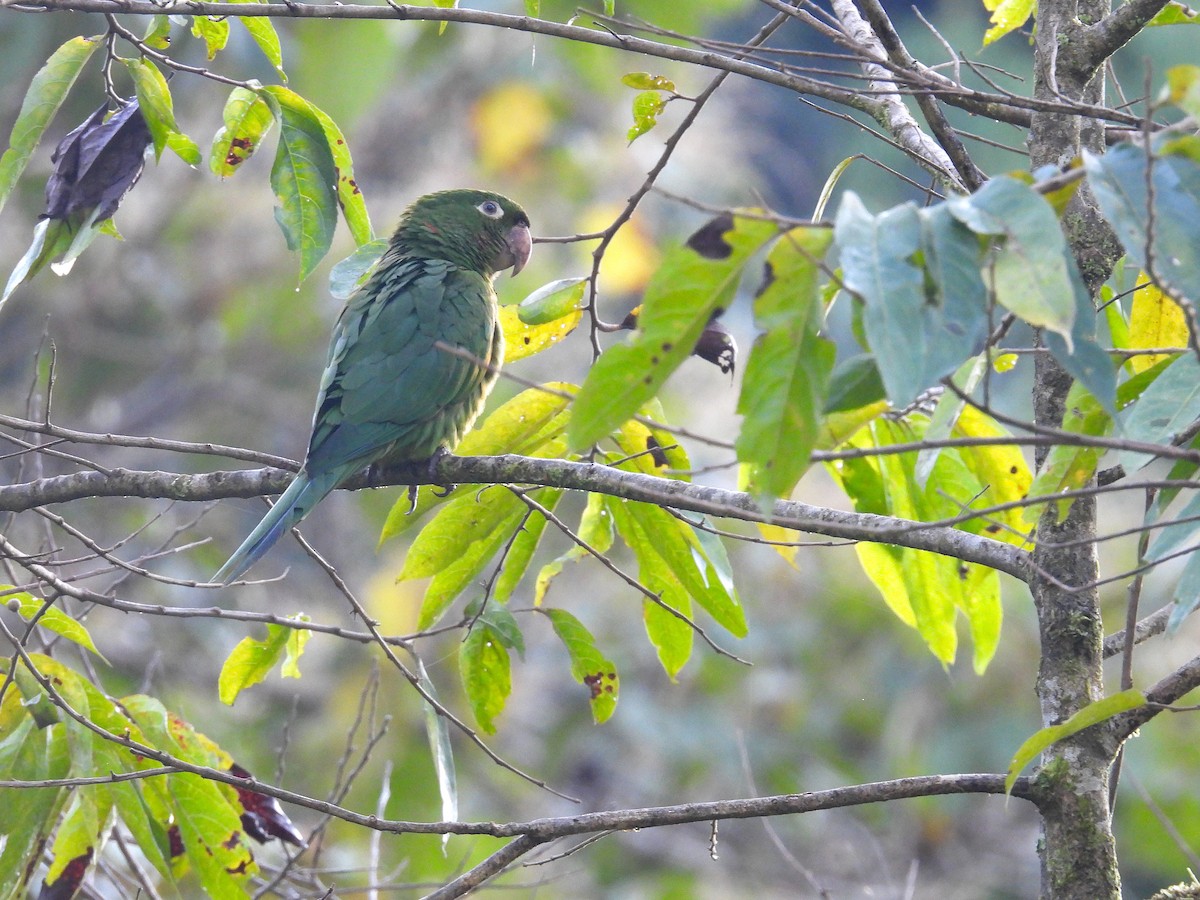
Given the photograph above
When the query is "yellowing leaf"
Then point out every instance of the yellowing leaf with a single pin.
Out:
(630, 259)
(252, 660)
(510, 124)
(1007, 15)
(1155, 320)
(783, 541)
(521, 340)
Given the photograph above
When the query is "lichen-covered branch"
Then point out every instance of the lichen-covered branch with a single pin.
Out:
(513, 469)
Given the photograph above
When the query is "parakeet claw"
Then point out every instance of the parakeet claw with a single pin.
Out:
(412, 498)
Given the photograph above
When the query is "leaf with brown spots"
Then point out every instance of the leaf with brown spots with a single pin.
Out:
(589, 666)
(678, 305)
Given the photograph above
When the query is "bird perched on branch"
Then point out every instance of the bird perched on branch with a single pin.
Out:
(389, 393)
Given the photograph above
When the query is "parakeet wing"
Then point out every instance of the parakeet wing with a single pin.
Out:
(386, 384)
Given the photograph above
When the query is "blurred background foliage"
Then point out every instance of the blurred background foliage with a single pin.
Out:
(193, 328)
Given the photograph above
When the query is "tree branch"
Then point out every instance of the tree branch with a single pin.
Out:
(511, 469)
(1003, 107)
(972, 178)
(892, 114)
(1093, 45)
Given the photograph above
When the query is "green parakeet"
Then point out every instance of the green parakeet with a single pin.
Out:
(388, 393)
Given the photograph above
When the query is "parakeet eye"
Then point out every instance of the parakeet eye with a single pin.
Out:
(491, 209)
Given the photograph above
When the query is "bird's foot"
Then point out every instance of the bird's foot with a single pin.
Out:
(440, 490)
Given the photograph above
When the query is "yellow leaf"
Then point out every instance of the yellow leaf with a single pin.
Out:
(630, 259)
(783, 541)
(1155, 321)
(510, 123)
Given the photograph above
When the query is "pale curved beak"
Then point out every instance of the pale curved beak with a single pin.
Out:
(519, 245)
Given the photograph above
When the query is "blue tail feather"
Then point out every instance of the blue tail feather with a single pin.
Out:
(294, 504)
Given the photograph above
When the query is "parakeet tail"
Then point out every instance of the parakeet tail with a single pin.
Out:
(294, 504)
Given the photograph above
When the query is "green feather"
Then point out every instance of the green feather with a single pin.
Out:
(389, 393)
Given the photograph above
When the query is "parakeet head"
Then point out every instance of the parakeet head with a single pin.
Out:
(477, 230)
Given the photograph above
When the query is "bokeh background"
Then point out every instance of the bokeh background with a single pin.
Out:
(194, 328)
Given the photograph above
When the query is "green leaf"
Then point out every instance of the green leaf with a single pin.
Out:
(691, 283)
(47, 91)
(213, 31)
(529, 424)
(646, 108)
(251, 660)
(1167, 407)
(304, 178)
(923, 589)
(262, 30)
(1092, 714)
(154, 99)
(1007, 16)
(349, 197)
(671, 636)
(644, 81)
(486, 674)
(595, 530)
(855, 383)
(454, 547)
(1187, 592)
(552, 301)
(676, 543)
(37, 754)
(533, 8)
(444, 4)
(523, 547)
(1174, 14)
(52, 618)
(830, 183)
(78, 833)
(247, 117)
(1031, 270)
(1118, 179)
(158, 33)
(210, 830)
(783, 390)
(589, 666)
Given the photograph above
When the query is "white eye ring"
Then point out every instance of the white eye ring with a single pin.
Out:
(491, 209)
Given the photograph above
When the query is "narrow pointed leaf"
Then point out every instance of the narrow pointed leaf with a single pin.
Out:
(46, 93)
(1092, 714)
(262, 30)
(154, 98)
(437, 729)
(589, 666)
(783, 390)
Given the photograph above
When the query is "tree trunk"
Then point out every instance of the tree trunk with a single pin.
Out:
(1077, 851)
